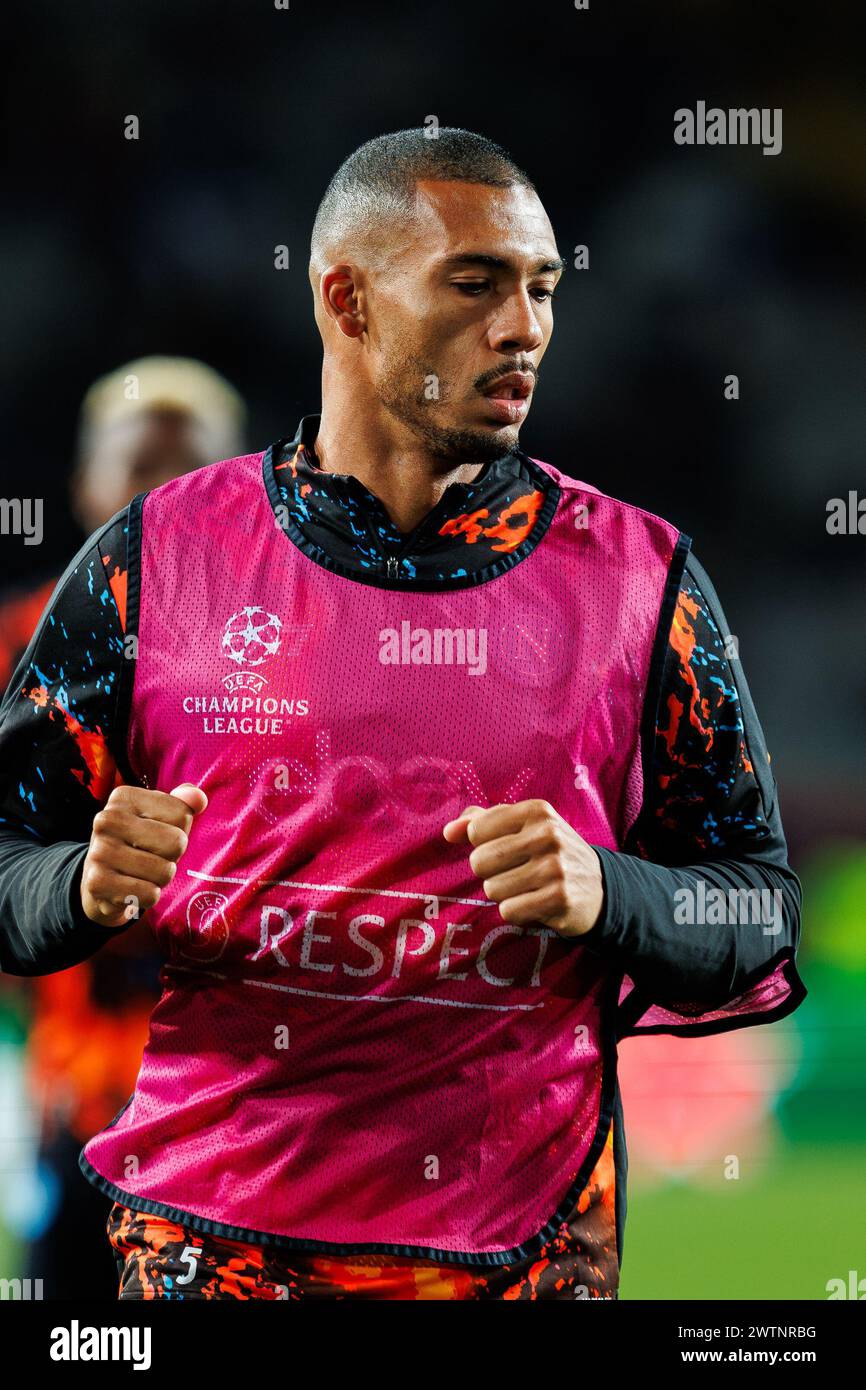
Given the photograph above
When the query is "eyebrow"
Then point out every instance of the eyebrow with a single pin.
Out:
(500, 262)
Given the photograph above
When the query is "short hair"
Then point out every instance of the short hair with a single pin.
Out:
(379, 179)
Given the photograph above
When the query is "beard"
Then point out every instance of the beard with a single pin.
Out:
(403, 388)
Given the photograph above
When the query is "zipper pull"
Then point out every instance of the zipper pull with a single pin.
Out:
(392, 571)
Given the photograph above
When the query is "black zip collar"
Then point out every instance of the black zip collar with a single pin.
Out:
(475, 532)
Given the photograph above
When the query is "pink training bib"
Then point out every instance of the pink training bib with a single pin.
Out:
(352, 1050)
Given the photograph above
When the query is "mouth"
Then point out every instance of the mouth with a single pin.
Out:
(509, 396)
(517, 386)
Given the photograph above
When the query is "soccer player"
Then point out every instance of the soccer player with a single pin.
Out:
(434, 773)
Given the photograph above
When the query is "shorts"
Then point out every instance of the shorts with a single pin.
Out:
(158, 1258)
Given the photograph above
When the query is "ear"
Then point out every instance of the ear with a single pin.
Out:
(342, 299)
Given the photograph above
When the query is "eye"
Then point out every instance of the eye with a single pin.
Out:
(546, 295)
(470, 287)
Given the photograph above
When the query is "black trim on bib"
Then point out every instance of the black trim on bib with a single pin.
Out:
(543, 481)
(494, 1258)
(620, 1163)
(653, 692)
(638, 1002)
(126, 680)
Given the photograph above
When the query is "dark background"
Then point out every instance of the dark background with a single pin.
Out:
(703, 262)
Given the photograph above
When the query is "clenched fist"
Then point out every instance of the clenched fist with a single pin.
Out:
(137, 839)
(533, 863)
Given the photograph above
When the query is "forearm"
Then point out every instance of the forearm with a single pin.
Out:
(688, 933)
(43, 927)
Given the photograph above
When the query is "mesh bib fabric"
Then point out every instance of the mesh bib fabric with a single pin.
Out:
(352, 1050)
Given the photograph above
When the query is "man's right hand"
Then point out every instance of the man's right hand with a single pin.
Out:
(137, 839)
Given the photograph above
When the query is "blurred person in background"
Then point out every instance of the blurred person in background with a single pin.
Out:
(149, 421)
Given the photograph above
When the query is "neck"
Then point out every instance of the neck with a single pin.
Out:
(360, 437)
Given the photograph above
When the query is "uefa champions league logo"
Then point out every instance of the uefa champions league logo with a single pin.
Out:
(207, 930)
(242, 706)
(251, 636)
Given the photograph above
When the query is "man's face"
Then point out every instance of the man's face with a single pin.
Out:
(461, 317)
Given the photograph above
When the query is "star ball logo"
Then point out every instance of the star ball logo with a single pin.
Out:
(252, 635)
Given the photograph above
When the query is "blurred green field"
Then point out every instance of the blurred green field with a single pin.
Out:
(9, 1261)
(783, 1236)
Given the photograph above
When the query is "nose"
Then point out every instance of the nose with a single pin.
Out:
(516, 327)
